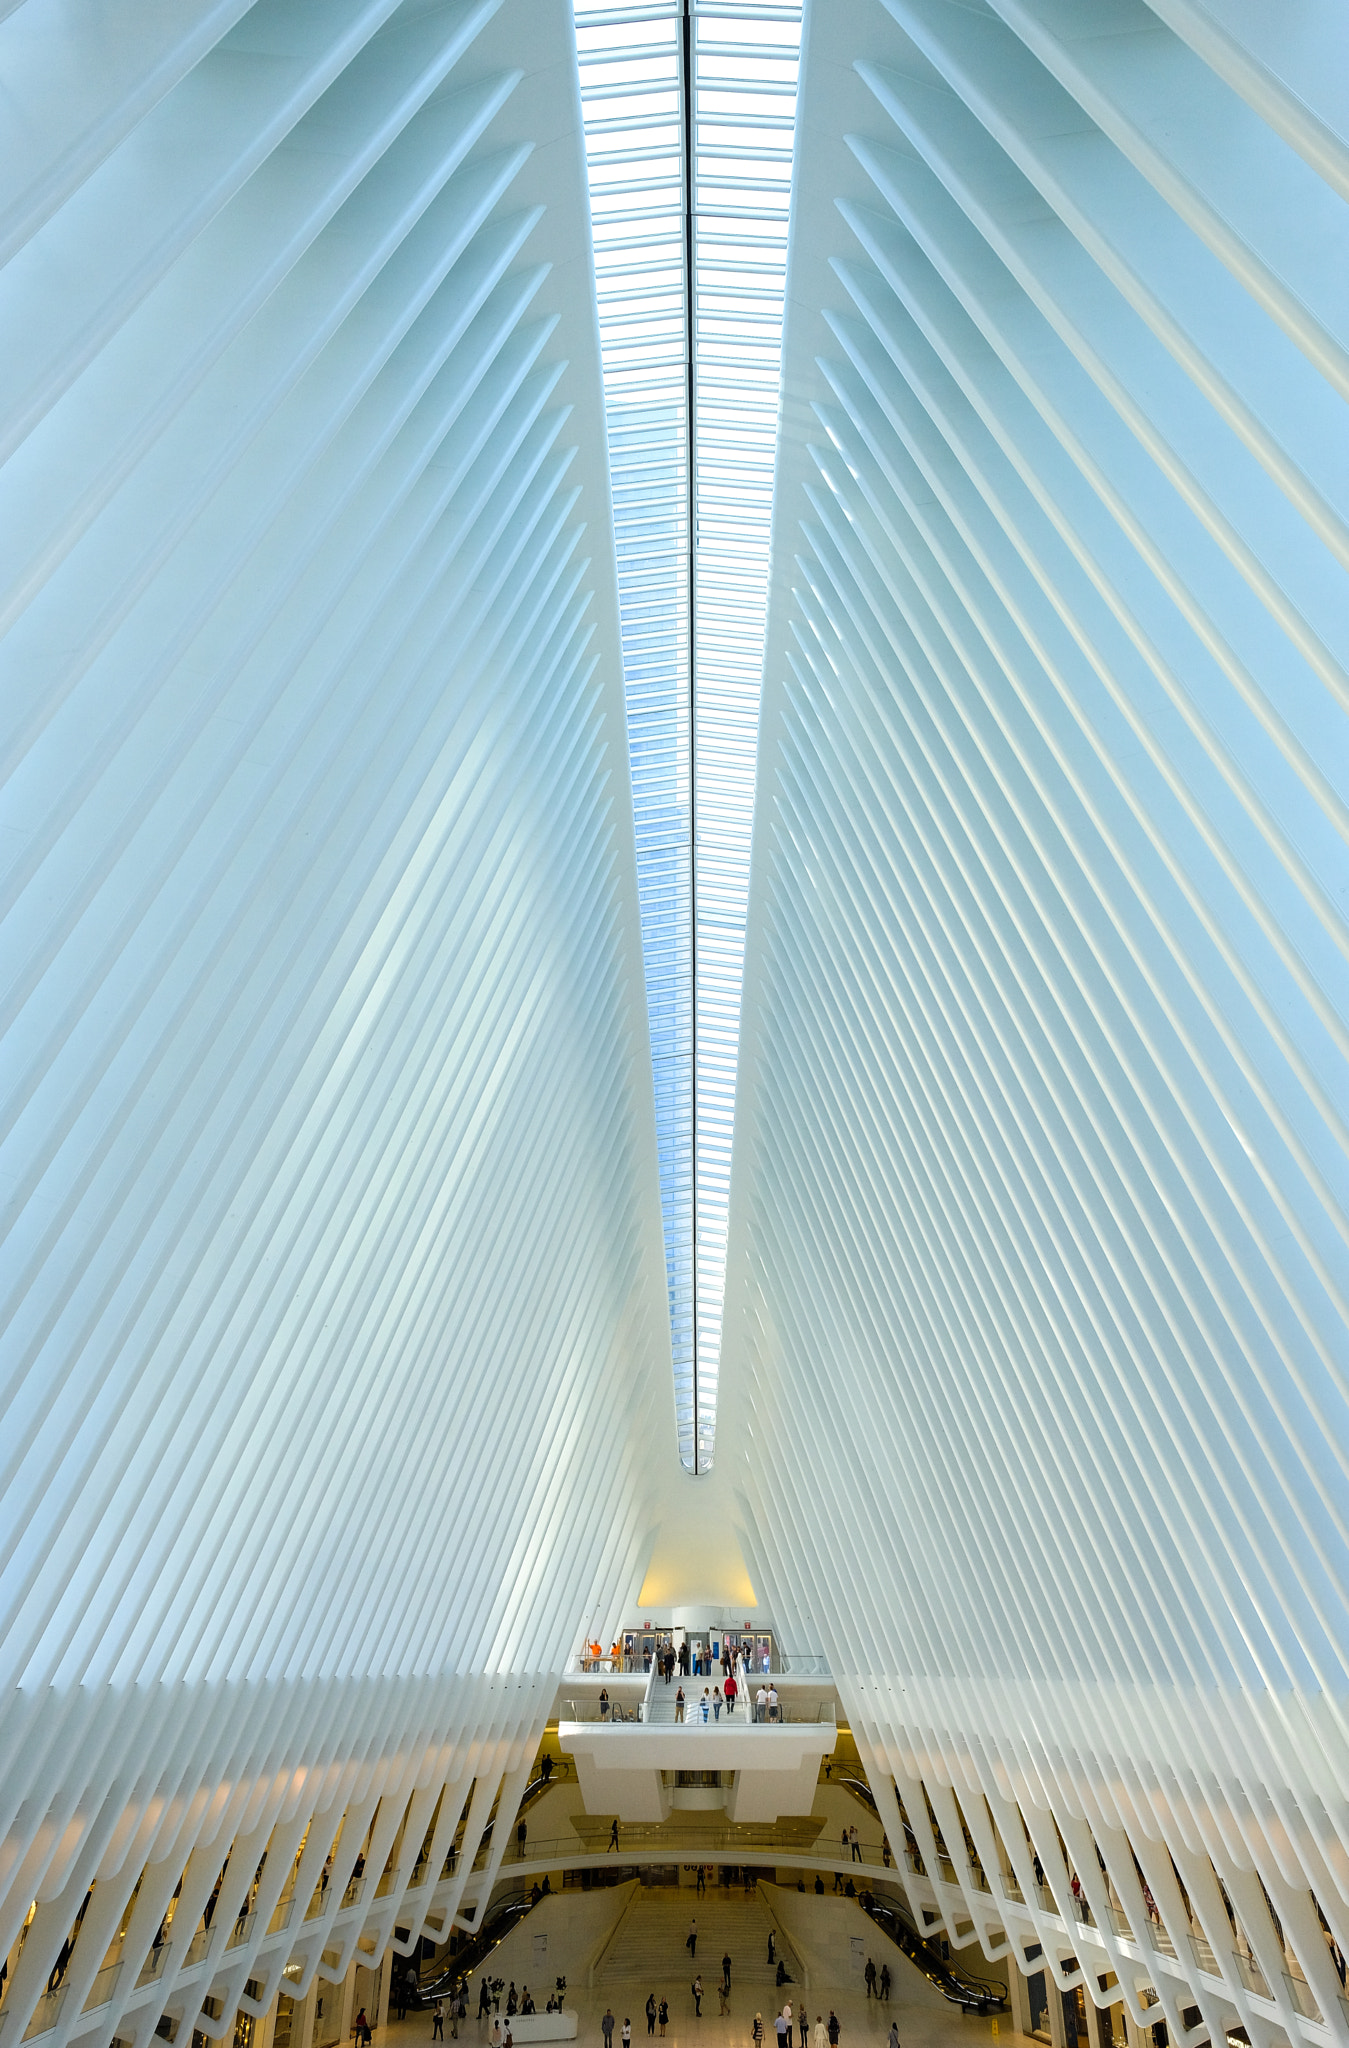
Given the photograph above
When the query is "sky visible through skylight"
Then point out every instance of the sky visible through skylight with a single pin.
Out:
(692, 739)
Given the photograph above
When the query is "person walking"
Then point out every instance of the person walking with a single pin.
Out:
(704, 1706)
(772, 1947)
(679, 1704)
(885, 1982)
(893, 2041)
(663, 2015)
(869, 1975)
(726, 1971)
(716, 1703)
(696, 1987)
(607, 2027)
(723, 1999)
(520, 1835)
(362, 2028)
(650, 2012)
(856, 1845)
(613, 1834)
(756, 2031)
(729, 1691)
(691, 1938)
(437, 2021)
(701, 1886)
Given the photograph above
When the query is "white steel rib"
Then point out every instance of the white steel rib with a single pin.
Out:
(332, 1259)
(1038, 1296)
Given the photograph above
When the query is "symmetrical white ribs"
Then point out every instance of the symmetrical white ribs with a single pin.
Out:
(332, 1259)
(1040, 1224)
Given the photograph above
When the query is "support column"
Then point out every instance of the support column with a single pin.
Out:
(264, 2028)
(347, 1994)
(380, 2016)
(1058, 2032)
(302, 2022)
(1018, 1997)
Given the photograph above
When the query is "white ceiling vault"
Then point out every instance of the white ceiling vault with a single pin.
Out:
(349, 830)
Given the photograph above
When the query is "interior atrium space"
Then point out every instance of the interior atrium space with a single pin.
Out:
(674, 1023)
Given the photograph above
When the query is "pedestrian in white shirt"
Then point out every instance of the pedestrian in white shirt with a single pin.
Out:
(760, 1703)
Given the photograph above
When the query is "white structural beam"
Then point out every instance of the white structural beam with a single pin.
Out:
(1037, 1325)
(332, 1264)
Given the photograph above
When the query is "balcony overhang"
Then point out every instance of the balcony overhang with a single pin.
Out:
(774, 1769)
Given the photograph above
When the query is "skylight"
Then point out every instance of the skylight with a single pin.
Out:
(675, 90)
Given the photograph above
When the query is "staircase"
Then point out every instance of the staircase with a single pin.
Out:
(660, 1700)
(649, 1948)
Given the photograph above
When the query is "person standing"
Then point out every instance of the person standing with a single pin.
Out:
(819, 2039)
(701, 1885)
(772, 1947)
(696, 1987)
(869, 1974)
(691, 1938)
(787, 2015)
(893, 2041)
(663, 2015)
(716, 1703)
(856, 1845)
(650, 2012)
(780, 2028)
(679, 1704)
(885, 1982)
(833, 2029)
(521, 1833)
(803, 2025)
(627, 2032)
(756, 2031)
(607, 2027)
(437, 2021)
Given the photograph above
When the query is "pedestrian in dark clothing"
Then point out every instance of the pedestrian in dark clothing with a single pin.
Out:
(613, 1833)
(650, 2012)
(691, 1938)
(607, 2027)
(696, 1987)
(726, 1970)
(833, 2028)
(869, 1975)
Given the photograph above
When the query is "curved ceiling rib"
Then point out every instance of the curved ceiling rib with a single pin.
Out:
(1041, 1213)
(332, 1261)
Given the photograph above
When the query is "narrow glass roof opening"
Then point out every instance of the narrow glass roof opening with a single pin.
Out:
(690, 109)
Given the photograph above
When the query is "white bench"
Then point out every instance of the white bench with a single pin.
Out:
(541, 2026)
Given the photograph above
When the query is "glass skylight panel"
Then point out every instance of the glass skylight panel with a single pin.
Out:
(692, 733)
(631, 62)
(744, 114)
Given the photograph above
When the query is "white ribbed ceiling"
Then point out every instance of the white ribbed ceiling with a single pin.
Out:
(339, 1302)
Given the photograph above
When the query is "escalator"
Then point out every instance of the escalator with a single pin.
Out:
(505, 1914)
(956, 1983)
